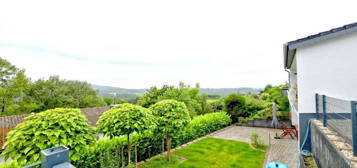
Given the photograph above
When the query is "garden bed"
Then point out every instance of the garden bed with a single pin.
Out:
(212, 152)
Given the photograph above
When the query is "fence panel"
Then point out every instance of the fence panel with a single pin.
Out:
(338, 116)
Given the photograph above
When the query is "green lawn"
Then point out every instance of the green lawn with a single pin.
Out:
(212, 153)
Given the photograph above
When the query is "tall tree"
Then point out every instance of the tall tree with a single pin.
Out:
(172, 116)
(56, 92)
(13, 89)
(125, 119)
(192, 98)
(7, 71)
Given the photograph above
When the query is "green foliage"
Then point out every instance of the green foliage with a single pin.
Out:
(49, 129)
(18, 94)
(194, 101)
(124, 119)
(216, 105)
(256, 141)
(205, 124)
(274, 94)
(55, 92)
(172, 116)
(7, 71)
(13, 98)
(235, 106)
(11, 164)
(103, 153)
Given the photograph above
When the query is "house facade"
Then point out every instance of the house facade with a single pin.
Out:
(324, 63)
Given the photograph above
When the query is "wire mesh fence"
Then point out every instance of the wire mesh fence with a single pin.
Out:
(336, 114)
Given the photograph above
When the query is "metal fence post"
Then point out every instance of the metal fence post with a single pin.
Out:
(324, 110)
(317, 105)
(354, 126)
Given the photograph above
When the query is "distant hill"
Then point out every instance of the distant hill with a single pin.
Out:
(122, 93)
(227, 91)
(130, 94)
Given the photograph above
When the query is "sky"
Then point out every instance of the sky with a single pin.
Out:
(143, 43)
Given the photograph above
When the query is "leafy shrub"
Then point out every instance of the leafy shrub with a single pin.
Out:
(256, 141)
(235, 106)
(60, 126)
(274, 94)
(205, 124)
(172, 117)
(125, 119)
(12, 164)
(216, 105)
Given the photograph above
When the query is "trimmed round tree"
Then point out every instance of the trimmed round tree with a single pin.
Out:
(172, 117)
(125, 119)
(51, 128)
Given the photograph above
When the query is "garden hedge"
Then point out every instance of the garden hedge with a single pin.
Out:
(106, 152)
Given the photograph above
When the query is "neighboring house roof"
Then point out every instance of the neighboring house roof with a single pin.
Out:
(291, 46)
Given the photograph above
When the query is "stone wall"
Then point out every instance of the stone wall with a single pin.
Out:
(329, 149)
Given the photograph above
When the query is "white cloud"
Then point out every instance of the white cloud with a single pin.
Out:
(137, 44)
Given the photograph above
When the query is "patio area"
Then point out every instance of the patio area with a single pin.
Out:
(281, 150)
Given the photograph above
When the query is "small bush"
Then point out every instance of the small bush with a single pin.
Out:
(235, 106)
(51, 128)
(216, 105)
(256, 141)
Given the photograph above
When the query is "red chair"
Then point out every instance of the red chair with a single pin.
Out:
(291, 131)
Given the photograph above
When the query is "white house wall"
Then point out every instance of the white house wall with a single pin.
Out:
(292, 94)
(328, 68)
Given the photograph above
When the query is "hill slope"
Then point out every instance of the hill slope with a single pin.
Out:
(129, 94)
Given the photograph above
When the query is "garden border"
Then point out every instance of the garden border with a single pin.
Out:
(186, 144)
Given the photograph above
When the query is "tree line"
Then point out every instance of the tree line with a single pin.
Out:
(19, 94)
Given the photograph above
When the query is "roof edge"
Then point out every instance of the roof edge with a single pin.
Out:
(290, 47)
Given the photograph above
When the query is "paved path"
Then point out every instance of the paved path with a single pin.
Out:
(281, 150)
